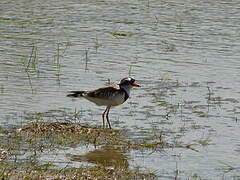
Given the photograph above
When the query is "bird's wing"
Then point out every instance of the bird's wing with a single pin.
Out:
(104, 93)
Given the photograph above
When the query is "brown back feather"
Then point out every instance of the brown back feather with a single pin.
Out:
(105, 92)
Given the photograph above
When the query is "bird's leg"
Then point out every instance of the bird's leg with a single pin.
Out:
(103, 117)
(107, 117)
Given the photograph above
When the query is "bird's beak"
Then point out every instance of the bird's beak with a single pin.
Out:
(135, 84)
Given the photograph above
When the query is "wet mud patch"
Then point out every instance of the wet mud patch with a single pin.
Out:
(29, 152)
(27, 144)
(97, 173)
(70, 134)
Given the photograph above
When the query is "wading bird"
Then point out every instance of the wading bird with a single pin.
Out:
(108, 96)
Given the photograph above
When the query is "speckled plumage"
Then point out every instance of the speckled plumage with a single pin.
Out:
(107, 96)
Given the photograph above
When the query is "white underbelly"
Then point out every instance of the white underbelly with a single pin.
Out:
(107, 102)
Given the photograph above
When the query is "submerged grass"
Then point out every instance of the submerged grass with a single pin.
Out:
(33, 61)
(2, 88)
(121, 34)
(98, 172)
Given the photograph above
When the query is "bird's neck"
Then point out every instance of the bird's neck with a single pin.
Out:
(126, 89)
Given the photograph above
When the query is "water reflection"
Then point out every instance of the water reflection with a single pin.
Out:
(105, 156)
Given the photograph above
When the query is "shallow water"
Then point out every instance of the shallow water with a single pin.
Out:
(184, 54)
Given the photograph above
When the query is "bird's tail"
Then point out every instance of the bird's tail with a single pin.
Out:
(75, 94)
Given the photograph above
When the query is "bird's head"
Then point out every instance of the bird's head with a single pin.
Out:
(128, 82)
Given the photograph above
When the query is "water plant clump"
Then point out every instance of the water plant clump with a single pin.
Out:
(3, 154)
(110, 157)
(70, 133)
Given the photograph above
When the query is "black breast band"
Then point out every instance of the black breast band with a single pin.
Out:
(126, 96)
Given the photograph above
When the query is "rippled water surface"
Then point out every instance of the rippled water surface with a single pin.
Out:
(185, 54)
